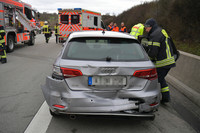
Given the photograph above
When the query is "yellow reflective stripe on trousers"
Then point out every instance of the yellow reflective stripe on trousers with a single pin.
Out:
(165, 62)
(3, 56)
(165, 89)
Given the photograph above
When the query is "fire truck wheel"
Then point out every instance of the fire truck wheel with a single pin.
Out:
(32, 40)
(10, 43)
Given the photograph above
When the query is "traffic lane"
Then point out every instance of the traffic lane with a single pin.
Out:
(20, 80)
(167, 120)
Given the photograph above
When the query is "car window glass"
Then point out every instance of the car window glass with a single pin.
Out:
(101, 48)
(74, 19)
(95, 21)
(65, 19)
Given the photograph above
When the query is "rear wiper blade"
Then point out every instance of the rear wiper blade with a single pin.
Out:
(108, 58)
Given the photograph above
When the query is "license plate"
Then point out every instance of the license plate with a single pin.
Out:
(107, 80)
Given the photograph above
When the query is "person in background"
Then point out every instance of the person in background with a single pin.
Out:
(115, 28)
(123, 28)
(110, 26)
(137, 30)
(3, 58)
(46, 31)
(56, 31)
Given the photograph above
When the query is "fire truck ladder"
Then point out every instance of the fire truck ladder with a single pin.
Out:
(25, 21)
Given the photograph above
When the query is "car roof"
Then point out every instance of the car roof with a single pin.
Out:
(108, 34)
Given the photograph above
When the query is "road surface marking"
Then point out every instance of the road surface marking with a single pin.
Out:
(41, 120)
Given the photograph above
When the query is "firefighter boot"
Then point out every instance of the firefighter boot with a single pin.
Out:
(3, 60)
(165, 97)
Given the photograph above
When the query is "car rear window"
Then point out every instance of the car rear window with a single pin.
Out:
(101, 49)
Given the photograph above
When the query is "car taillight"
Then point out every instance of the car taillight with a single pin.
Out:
(59, 106)
(149, 74)
(57, 74)
(69, 73)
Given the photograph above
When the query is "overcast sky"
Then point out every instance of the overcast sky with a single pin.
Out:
(103, 6)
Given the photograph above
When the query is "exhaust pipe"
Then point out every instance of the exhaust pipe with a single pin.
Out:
(72, 117)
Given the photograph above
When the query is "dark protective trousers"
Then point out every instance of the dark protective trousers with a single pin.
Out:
(56, 38)
(162, 73)
(47, 37)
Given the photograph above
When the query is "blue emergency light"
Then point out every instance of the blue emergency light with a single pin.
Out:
(77, 8)
(59, 9)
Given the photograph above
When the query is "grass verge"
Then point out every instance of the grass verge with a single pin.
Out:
(193, 48)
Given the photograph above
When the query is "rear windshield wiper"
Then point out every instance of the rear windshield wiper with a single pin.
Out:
(108, 58)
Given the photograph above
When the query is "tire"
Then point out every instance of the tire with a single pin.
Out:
(54, 114)
(10, 43)
(32, 39)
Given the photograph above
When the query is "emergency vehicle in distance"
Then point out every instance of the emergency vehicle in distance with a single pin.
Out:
(18, 19)
(77, 19)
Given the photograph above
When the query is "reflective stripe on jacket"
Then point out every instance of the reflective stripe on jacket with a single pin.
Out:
(115, 29)
(160, 49)
(137, 30)
(123, 29)
(46, 29)
(110, 27)
(56, 30)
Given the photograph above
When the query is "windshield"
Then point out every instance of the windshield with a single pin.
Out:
(28, 13)
(101, 49)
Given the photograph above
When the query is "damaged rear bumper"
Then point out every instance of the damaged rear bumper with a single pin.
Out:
(56, 92)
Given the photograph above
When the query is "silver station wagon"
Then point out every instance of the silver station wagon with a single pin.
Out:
(102, 73)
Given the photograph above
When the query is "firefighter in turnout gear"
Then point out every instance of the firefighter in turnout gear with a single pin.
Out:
(161, 53)
(46, 31)
(2, 45)
(137, 30)
(56, 32)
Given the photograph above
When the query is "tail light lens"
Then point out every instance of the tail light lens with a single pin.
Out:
(69, 73)
(59, 106)
(149, 74)
(61, 72)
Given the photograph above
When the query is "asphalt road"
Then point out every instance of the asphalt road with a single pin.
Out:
(21, 98)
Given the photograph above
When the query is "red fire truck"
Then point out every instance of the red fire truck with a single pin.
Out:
(18, 20)
(77, 19)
